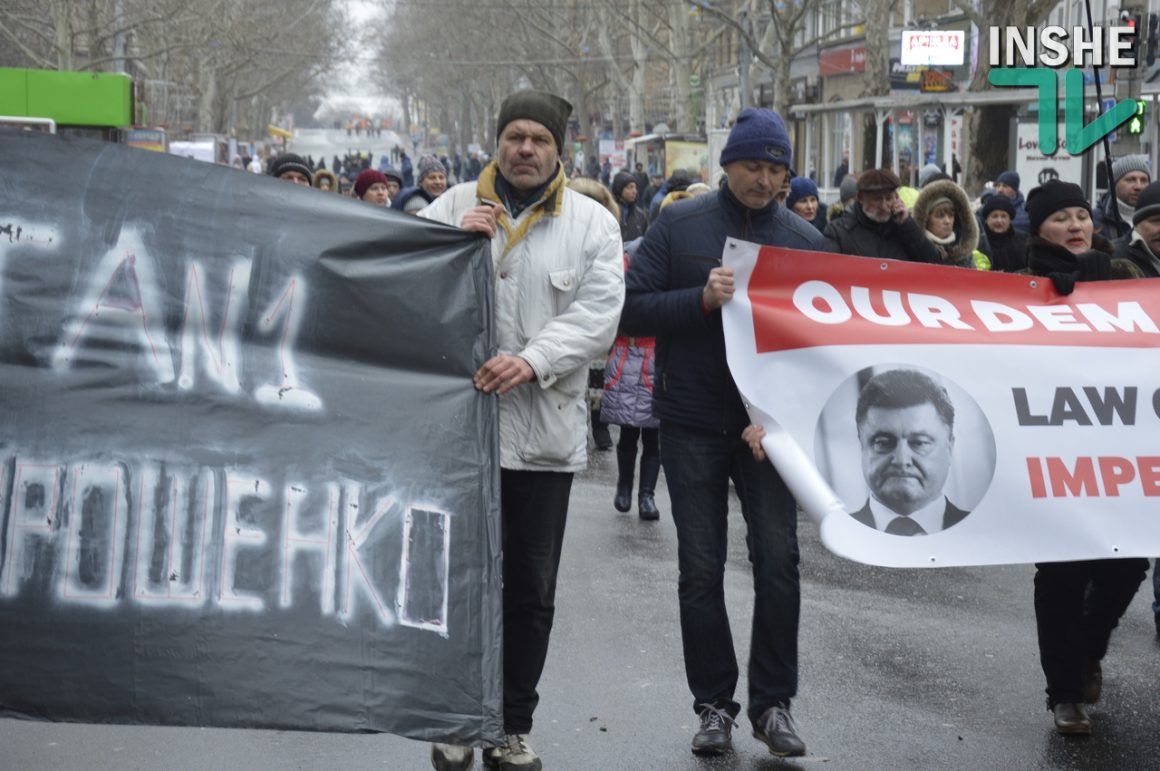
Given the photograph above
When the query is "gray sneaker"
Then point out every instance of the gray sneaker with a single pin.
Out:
(513, 755)
(452, 757)
(776, 729)
(714, 737)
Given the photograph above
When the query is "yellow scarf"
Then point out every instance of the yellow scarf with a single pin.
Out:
(550, 204)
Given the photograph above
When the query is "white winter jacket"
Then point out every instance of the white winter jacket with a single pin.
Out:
(558, 296)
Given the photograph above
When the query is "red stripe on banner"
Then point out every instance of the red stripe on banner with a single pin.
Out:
(806, 299)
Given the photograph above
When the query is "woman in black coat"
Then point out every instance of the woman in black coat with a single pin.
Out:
(1077, 604)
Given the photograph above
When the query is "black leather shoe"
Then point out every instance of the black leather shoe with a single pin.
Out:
(602, 437)
(776, 729)
(1071, 719)
(715, 734)
(647, 507)
(1093, 682)
(623, 499)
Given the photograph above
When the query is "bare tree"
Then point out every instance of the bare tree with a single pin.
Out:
(232, 61)
(988, 127)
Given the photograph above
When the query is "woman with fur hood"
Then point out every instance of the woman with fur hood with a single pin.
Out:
(943, 211)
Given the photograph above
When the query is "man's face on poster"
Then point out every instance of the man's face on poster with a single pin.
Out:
(906, 455)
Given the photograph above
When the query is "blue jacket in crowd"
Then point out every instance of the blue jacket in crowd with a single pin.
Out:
(664, 284)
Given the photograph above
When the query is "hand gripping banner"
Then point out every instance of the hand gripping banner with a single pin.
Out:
(245, 479)
(984, 415)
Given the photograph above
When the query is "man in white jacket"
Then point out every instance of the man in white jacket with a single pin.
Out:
(559, 288)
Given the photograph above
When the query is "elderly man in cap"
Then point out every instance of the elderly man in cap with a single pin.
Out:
(559, 287)
(879, 224)
(675, 292)
(292, 168)
(1112, 216)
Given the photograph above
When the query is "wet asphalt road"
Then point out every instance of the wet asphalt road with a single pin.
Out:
(914, 669)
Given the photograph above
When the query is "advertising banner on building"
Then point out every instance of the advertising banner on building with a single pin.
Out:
(998, 420)
(245, 479)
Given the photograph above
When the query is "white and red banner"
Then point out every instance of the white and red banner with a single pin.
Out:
(1019, 424)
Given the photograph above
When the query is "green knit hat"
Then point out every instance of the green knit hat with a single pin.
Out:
(546, 109)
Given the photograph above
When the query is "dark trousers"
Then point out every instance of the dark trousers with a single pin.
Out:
(1077, 605)
(698, 466)
(535, 510)
(649, 441)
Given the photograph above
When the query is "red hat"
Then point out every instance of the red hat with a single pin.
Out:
(366, 179)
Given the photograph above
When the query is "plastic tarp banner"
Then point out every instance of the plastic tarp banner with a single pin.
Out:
(992, 417)
(245, 479)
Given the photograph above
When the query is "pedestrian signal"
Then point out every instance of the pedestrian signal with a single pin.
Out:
(1136, 122)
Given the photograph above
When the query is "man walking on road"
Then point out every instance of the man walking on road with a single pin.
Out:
(559, 288)
(675, 291)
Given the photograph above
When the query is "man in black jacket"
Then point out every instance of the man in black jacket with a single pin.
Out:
(879, 224)
(675, 291)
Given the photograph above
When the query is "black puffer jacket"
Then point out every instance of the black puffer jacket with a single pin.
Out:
(855, 233)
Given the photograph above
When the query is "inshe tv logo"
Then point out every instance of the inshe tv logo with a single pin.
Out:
(1052, 48)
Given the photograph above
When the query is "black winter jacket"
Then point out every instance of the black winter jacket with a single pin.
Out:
(663, 300)
(1008, 250)
(855, 233)
(633, 222)
(1134, 248)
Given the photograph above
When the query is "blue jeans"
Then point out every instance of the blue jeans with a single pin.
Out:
(698, 466)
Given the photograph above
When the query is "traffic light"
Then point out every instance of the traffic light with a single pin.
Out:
(1136, 122)
(1131, 19)
(1153, 23)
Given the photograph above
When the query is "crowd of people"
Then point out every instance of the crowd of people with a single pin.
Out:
(606, 276)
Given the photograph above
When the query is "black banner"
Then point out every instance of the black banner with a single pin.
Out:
(245, 479)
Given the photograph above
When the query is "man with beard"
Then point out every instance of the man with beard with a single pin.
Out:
(879, 224)
(559, 287)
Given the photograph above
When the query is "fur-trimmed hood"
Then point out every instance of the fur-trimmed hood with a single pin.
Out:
(966, 227)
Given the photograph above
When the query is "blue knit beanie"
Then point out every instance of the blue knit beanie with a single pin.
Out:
(800, 187)
(758, 135)
(1009, 178)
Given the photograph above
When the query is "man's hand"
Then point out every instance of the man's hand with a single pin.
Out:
(718, 289)
(899, 210)
(481, 219)
(752, 436)
(502, 373)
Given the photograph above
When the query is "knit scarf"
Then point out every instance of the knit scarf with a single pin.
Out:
(549, 203)
(1125, 210)
(942, 241)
